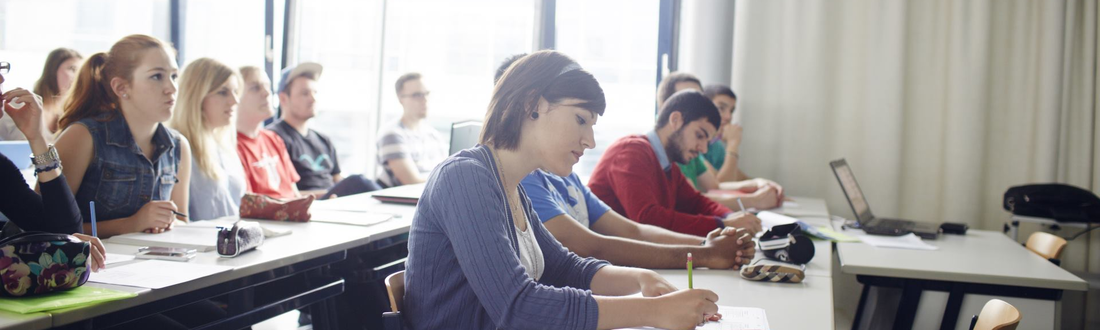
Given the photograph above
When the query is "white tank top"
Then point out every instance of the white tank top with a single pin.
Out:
(530, 255)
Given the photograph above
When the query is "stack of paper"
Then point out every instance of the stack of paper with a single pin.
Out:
(155, 274)
(114, 258)
(200, 238)
(771, 219)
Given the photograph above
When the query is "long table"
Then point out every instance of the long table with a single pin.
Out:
(806, 305)
(310, 247)
(982, 264)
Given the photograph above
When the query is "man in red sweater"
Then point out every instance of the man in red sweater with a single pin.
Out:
(635, 176)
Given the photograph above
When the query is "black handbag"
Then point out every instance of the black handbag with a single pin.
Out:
(36, 262)
(1054, 201)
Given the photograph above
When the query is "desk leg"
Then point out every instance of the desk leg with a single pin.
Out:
(859, 309)
(907, 309)
(954, 306)
(323, 313)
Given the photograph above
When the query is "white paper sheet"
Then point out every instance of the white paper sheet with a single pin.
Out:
(349, 217)
(910, 241)
(739, 318)
(114, 258)
(771, 219)
(803, 207)
(155, 274)
(734, 318)
(200, 238)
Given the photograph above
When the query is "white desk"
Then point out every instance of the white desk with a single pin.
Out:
(310, 245)
(981, 262)
(806, 305)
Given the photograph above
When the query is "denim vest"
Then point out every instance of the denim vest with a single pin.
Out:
(119, 178)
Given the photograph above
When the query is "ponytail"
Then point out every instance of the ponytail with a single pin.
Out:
(91, 94)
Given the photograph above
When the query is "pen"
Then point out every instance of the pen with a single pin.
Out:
(690, 284)
(180, 214)
(739, 204)
(91, 210)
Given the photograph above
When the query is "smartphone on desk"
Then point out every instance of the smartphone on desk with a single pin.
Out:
(165, 253)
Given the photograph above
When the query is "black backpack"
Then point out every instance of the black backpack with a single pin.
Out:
(1054, 201)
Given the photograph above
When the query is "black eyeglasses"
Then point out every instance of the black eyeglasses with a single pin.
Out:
(417, 95)
(5, 67)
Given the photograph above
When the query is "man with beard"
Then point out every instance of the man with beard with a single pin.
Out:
(635, 176)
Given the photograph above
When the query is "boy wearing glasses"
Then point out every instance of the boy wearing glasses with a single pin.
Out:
(409, 149)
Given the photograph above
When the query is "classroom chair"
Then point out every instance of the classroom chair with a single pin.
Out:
(464, 134)
(996, 315)
(395, 287)
(1046, 245)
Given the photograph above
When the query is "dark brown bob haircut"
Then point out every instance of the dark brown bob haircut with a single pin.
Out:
(548, 74)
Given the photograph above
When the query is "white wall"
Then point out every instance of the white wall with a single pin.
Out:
(706, 40)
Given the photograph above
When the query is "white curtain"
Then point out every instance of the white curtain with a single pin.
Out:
(939, 105)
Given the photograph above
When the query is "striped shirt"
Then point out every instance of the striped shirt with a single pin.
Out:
(424, 147)
(464, 271)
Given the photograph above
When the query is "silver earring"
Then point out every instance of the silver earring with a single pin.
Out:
(125, 96)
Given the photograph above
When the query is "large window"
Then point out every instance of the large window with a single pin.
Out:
(229, 31)
(620, 49)
(456, 46)
(345, 37)
(30, 29)
(365, 45)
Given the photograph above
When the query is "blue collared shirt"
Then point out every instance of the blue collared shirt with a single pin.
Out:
(662, 157)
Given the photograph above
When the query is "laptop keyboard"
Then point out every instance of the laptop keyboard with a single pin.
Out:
(891, 224)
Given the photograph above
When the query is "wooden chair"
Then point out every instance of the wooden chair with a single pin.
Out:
(1046, 245)
(996, 315)
(395, 288)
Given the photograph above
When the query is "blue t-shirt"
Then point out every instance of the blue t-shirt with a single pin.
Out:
(552, 195)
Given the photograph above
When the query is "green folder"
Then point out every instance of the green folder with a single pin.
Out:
(83, 295)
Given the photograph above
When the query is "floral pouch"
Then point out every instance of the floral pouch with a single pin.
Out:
(36, 262)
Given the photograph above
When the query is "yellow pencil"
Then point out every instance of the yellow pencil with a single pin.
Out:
(690, 284)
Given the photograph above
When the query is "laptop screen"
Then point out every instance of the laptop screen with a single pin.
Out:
(851, 190)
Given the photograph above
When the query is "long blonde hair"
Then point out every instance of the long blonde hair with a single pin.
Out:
(198, 80)
(91, 94)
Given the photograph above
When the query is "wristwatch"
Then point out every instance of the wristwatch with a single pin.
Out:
(46, 161)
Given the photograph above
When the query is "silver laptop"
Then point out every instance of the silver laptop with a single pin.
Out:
(868, 221)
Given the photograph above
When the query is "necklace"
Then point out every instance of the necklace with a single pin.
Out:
(513, 202)
(525, 238)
